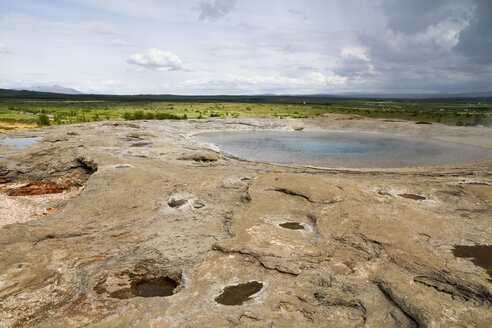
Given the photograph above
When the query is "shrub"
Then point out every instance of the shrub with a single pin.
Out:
(139, 115)
(43, 119)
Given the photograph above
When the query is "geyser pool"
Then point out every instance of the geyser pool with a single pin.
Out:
(342, 149)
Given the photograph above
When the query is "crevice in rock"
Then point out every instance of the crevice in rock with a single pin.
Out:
(219, 248)
(88, 164)
(245, 197)
(478, 295)
(412, 196)
(64, 236)
(388, 294)
(227, 222)
(327, 301)
(293, 193)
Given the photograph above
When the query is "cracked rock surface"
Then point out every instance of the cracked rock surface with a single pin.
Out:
(179, 212)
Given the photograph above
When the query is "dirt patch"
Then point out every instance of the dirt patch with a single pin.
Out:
(11, 126)
(18, 209)
(238, 294)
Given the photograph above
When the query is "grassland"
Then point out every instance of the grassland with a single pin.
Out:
(28, 108)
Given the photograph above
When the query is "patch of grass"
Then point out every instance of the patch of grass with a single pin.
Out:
(66, 111)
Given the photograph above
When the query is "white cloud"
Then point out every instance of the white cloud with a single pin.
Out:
(329, 80)
(355, 52)
(3, 48)
(119, 43)
(156, 59)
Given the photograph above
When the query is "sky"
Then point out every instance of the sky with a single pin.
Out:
(247, 46)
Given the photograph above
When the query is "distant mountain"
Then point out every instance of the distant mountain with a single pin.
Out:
(52, 89)
(485, 94)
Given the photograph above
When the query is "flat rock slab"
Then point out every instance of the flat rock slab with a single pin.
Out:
(177, 235)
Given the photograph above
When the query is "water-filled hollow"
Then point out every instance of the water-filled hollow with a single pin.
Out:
(342, 149)
(20, 143)
(238, 294)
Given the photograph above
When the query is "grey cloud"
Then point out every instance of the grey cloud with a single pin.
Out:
(425, 46)
(352, 67)
(475, 41)
(212, 10)
(410, 17)
(391, 47)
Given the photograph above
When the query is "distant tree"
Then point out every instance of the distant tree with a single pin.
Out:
(43, 120)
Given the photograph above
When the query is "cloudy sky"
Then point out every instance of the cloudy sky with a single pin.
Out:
(247, 46)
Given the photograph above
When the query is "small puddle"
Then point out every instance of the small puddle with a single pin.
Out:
(2, 158)
(151, 287)
(238, 294)
(156, 287)
(412, 196)
(177, 202)
(123, 166)
(292, 226)
(19, 143)
(480, 255)
(142, 144)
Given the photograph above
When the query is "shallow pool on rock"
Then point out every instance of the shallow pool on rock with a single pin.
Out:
(342, 149)
(19, 143)
(238, 294)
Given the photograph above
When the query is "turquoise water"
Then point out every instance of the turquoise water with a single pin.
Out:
(19, 143)
(342, 149)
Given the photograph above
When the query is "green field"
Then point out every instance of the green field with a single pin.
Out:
(29, 107)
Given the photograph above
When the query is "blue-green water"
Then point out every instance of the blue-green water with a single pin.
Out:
(19, 143)
(342, 149)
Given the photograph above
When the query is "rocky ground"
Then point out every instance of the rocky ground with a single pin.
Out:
(113, 212)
